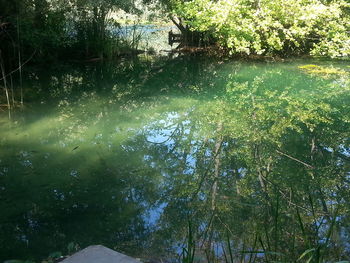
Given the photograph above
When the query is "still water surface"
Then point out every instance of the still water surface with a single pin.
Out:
(189, 158)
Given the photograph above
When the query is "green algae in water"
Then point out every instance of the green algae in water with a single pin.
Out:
(130, 154)
(323, 71)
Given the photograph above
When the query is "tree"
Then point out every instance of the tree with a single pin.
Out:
(53, 28)
(272, 27)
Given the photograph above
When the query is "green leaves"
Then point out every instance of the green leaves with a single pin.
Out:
(307, 252)
(272, 27)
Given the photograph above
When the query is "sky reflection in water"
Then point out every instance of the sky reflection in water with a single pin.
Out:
(157, 156)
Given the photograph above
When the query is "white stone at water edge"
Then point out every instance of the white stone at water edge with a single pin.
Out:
(99, 254)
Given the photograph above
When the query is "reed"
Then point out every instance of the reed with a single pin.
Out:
(3, 73)
(189, 251)
(19, 59)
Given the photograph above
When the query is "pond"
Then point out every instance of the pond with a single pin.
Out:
(187, 158)
(151, 38)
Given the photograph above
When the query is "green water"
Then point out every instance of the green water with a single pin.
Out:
(187, 158)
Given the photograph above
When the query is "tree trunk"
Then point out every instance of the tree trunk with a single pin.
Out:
(217, 162)
(189, 38)
(41, 8)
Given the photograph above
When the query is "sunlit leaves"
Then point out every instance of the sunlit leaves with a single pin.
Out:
(272, 27)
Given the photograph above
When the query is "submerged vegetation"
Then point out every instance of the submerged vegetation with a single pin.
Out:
(74, 28)
(196, 161)
(324, 71)
(185, 158)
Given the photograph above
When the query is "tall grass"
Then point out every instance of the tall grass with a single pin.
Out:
(267, 240)
(4, 77)
(188, 252)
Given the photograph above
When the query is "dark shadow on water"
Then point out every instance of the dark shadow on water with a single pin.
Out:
(231, 160)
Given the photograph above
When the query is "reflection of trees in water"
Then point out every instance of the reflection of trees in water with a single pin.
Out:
(53, 197)
(280, 184)
(69, 175)
(235, 163)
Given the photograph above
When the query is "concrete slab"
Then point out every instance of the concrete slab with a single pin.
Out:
(99, 254)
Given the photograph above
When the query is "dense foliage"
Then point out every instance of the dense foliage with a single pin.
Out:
(262, 27)
(272, 27)
(53, 28)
